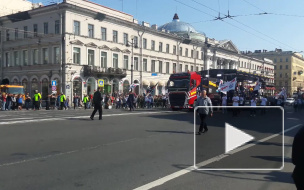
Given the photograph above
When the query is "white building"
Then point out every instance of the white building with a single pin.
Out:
(78, 42)
(15, 6)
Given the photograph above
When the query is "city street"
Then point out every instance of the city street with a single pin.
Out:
(144, 149)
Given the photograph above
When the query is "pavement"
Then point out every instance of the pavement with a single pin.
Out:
(144, 149)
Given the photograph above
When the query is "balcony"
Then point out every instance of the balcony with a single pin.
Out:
(97, 72)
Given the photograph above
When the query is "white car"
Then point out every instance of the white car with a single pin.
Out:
(290, 101)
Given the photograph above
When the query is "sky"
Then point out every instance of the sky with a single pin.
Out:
(282, 27)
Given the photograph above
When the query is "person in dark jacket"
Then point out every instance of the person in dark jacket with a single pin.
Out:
(97, 98)
(298, 159)
(130, 101)
(204, 100)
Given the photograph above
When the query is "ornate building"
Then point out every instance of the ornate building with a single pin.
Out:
(77, 42)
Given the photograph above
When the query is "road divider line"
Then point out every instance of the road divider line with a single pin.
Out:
(179, 173)
(75, 117)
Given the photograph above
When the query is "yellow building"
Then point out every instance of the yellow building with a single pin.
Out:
(289, 67)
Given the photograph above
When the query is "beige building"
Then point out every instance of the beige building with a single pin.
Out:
(78, 42)
(289, 67)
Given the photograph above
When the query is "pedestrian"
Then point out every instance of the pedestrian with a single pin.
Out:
(263, 103)
(75, 101)
(204, 100)
(130, 101)
(67, 102)
(4, 98)
(224, 103)
(253, 103)
(27, 101)
(62, 101)
(235, 101)
(37, 98)
(297, 159)
(97, 99)
(8, 105)
(20, 102)
(53, 101)
(85, 101)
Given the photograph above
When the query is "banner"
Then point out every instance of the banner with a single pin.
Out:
(227, 86)
(282, 93)
(258, 86)
(132, 86)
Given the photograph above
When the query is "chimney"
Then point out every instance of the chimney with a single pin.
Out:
(154, 26)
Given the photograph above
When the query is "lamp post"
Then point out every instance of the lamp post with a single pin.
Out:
(133, 44)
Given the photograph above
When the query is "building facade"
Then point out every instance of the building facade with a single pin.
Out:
(78, 42)
(289, 67)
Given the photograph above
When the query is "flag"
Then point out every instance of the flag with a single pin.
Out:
(283, 93)
(132, 86)
(257, 86)
(227, 86)
(151, 89)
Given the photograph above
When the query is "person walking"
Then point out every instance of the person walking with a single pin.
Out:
(204, 100)
(85, 101)
(27, 101)
(4, 96)
(297, 159)
(37, 98)
(263, 103)
(75, 101)
(62, 101)
(97, 99)
(224, 103)
(20, 102)
(130, 101)
(235, 101)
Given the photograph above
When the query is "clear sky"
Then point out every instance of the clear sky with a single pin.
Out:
(282, 27)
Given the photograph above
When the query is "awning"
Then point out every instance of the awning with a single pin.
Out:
(153, 83)
(146, 83)
(161, 83)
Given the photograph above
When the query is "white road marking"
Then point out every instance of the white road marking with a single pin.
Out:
(206, 162)
(75, 117)
(16, 118)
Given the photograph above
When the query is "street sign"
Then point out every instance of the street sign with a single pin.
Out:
(100, 82)
(67, 87)
(54, 92)
(54, 88)
(154, 74)
(54, 83)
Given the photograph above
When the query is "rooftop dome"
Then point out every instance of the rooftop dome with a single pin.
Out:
(177, 26)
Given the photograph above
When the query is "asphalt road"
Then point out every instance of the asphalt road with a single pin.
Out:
(128, 150)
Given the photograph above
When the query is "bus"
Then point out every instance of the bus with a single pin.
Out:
(12, 89)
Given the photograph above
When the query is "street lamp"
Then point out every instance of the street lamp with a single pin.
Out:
(133, 44)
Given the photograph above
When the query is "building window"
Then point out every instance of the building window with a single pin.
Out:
(160, 47)
(7, 59)
(174, 67)
(7, 35)
(275, 60)
(35, 26)
(91, 31)
(197, 55)
(286, 60)
(275, 67)
(145, 43)
(56, 55)
(186, 54)
(91, 57)
(76, 55)
(125, 38)
(152, 45)
(103, 59)
(280, 75)
(281, 59)
(174, 50)
(160, 67)
(35, 57)
(286, 75)
(167, 48)
(16, 58)
(186, 68)
(57, 27)
(167, 67)
(126, 62)
(135, 41)
(76, 28)
(104, 34)
(181, 51)
(145, 64)
(191, 68)
(286, 67)
(196, 69)
(153, 66)
(46, 28)
(25, 57)
(45, 55)
(281, 67)
(25, 31)
(192, 53)
(136, 63)
(180, 67)
(16, 33)
(286, 83)
(115, 60)
(115, 36)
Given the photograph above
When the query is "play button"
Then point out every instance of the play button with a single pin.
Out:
(235, 138)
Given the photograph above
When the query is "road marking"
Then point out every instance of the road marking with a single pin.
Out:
(292, 118)
(177, 174)
(17, 118)
(64, 118)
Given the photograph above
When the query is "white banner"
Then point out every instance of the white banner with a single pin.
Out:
(258, 86)
(227, 86)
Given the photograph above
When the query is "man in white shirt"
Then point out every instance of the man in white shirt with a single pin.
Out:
(253, 102)
(263, 103)
(235, 101)
(224, 103)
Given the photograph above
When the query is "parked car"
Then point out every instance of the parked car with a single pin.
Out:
(290, 101)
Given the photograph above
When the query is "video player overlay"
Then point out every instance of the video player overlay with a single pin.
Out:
(247, 138)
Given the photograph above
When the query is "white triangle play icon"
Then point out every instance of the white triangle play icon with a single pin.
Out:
(235, 137)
